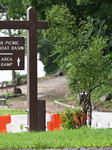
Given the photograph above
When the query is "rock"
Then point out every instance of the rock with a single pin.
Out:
(59, 73)
(107, 97)
(18, 91)
(23, 81)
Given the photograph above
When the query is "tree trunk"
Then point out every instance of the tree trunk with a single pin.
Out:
(13, 81)
(13, 71)
(90, 114)
(87, 108)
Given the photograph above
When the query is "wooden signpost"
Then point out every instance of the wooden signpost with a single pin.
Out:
(36, 108)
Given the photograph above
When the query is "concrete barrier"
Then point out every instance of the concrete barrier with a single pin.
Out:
(102, 120)
(19, 122)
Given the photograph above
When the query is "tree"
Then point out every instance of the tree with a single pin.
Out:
(97, 9)
(82, 49)
(61, 32)
(12, 10)
(45, 47)
(80, 9)
(87, 71)
(44, 6)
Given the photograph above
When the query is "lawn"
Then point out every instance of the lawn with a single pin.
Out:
(83, 137)
(12, 112)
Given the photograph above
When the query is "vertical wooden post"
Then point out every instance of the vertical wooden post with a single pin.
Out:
(36, 115)
(32, 69)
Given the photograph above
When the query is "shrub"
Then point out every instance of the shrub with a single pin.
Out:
(71, 118)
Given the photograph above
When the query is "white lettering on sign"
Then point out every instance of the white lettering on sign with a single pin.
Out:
(1, 42)
(17, 48)
(4, 47)
(11, 42)
(11, 53)
(6, 59)
(6, 64)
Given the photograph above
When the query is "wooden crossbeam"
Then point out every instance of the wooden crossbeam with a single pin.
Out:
(36, 108)
(22, 24)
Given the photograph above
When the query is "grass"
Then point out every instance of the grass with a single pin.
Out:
(83, 137)
(12, 112)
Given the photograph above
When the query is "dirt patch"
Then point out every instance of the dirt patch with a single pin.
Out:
(103, 106)
(52, 89)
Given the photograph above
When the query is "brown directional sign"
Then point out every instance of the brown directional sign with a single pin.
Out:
(36, 108)
(11, 53)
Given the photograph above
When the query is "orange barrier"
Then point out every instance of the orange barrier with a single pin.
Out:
(56, 120)
(3, 121)
(55, 123)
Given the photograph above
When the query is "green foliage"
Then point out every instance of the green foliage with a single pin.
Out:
(86, 64)
(83, 137)
(44, 6)
(70, 117)
(56, 17)
(97, 9)
(12, 112)
(82, 50)
(62, 35)
(104, 89)
(77, 30)
(79, 2)
(14, 9)
(44, 48)
(8, 94)
(19, 76)
(97, 2)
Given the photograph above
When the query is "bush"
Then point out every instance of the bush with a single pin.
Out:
(19, 76)
(71, 118)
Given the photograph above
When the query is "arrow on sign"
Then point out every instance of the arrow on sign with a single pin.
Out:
(18, 61)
